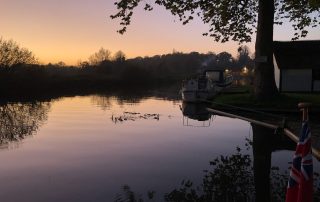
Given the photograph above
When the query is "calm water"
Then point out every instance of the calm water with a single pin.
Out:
(87, 148)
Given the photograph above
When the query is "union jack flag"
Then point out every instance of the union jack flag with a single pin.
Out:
(300, 185)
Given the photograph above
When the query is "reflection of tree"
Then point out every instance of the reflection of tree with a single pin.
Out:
(128, 195)
(133, 97)
(278, 184)
(102, 101)
(132, 100)
(231, 178)
(18, 120)
(105, 101)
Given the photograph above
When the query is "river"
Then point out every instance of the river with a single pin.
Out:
(100, 147)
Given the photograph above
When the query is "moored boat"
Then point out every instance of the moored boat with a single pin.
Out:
(205, 86)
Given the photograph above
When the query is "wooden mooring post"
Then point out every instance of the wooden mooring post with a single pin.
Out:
(304, 107)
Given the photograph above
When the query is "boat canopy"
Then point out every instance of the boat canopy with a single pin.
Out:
(215, 75)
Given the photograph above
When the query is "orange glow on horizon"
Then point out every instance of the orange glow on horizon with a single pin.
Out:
(70, 31)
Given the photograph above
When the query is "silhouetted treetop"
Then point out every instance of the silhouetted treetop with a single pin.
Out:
(229, 19)
(119, 56)
(100, 56)
(243, 55)
(12, 54)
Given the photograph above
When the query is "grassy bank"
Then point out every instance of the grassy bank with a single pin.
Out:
(284, 101)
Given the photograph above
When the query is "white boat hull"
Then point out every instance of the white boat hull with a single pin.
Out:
(196, 96)
(205, 86)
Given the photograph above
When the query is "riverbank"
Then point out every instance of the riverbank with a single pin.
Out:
(20, 93)
(37, 82)
(284, 102)
(281, 110)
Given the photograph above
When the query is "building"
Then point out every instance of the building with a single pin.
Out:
(299, 65)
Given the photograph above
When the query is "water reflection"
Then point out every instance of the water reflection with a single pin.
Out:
(105, 102)
(133, 97)
(18, 120)
(196, 114)
(196, 111)
(133, 116)
(265, 141)
(81, 155)
(237, 177)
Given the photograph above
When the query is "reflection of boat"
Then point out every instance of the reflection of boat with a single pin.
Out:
(205, 86)
(197, 112)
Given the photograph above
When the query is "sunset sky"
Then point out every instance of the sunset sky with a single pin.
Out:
(71, 30)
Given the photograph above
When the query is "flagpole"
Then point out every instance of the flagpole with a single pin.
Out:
(300, 183)
(304, 107)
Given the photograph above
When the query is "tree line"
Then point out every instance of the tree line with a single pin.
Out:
(19, 68)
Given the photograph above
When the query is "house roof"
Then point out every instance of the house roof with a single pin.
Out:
(297, 54)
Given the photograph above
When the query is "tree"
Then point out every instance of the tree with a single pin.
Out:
(119, 56)
(61, 64)
(83, 64)
(224, 60)
(12, 54)
(100, 56)
(243, 56)
(238, 20)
